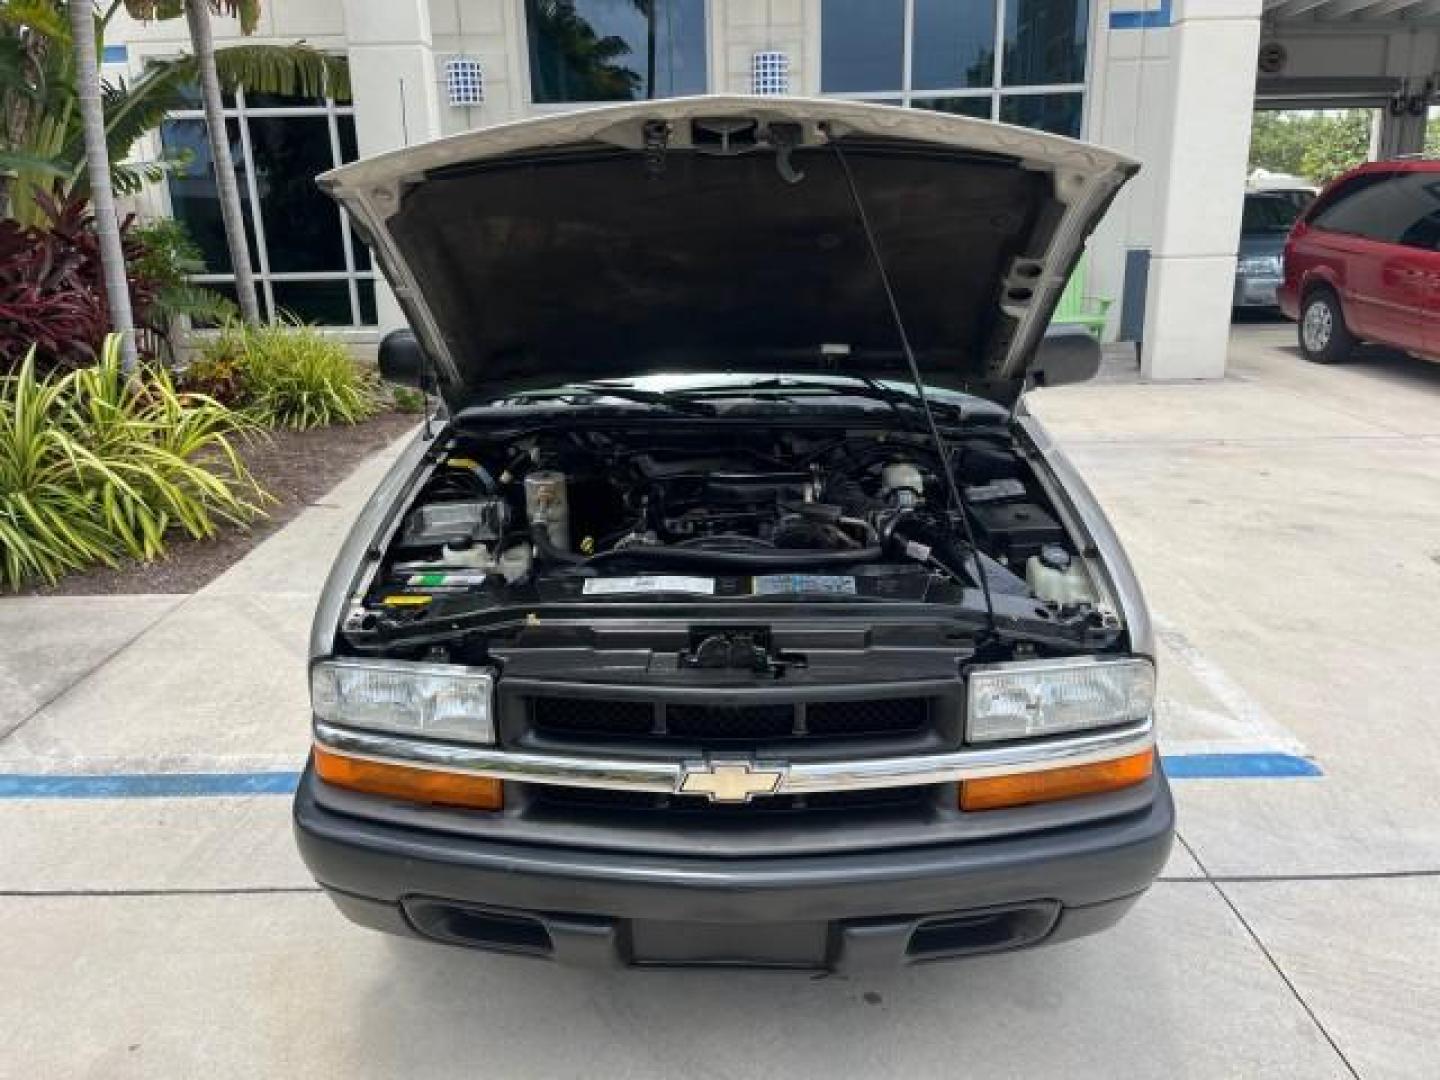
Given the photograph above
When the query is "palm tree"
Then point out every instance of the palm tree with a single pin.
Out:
(102, 198)
(278, 69)
(202, 42)
(197, 15)
(42, 146)
(49, 92)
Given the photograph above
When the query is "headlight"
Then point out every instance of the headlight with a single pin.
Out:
(435, 701)
(1261, 266)
(1047, 697)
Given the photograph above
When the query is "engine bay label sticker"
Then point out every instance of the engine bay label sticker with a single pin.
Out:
(649, 583)
(779, 584)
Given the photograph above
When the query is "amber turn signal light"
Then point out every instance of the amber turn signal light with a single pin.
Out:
(1022, 789)
(409, 783)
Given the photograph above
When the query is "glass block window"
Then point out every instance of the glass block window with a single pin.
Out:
(464, 81)
(1020, 61)
(307, 261)
(770, 73)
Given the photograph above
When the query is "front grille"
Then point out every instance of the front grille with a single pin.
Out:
(593, 800)
(592, 716)
(869, 716)
(609, 719)
(754, 722)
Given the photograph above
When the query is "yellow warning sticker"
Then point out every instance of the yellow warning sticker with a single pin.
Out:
(401, 599)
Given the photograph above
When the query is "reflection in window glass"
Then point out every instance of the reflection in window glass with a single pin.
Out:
(193, 197)
(978, 107)
(615, 50)
(1267, 215)
(952, 48)
(1403, 208)
(1057, 113)
(1359, 206)
(323, 302)
(367, 302)
(188, 97)
(302, 224)
(255, 100)
(349, 148)
(227, 291)
(862, 45)
(1045, 41)
(1418, 195)
(954, 44)
(301, 232)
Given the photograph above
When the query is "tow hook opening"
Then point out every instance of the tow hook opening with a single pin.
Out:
(478, 928)
(973, 932)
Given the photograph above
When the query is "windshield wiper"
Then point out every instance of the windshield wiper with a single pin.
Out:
(796, 390)
(674, 401)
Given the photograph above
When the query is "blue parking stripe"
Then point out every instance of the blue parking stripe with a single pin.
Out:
(1250, 766)
(145, 785)
(1260, 766)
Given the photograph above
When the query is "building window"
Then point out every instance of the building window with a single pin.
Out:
(307, 262)
(1020, 61)
(615, 50)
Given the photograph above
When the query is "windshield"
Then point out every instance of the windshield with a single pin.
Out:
(1268, 215)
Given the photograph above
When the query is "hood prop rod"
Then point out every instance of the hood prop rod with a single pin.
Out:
(957, 496)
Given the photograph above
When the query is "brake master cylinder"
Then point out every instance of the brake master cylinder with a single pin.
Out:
(901, 484)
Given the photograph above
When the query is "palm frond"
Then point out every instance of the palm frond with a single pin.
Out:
(42, 16)
(154, 10)
(132, 110)
(247, 10)
(296, 69)
(19, 161)
(198, 303)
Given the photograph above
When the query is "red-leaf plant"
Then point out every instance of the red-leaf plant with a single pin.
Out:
(52, 292)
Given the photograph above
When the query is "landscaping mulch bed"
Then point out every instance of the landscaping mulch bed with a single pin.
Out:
(297, 467)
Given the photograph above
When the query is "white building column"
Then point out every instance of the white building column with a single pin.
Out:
(1201, 168)
(395, 88)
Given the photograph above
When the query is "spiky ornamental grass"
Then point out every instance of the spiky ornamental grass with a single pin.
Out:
(96, 465)
(291, 375)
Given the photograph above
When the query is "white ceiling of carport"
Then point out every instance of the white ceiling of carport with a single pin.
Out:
(1348, 12)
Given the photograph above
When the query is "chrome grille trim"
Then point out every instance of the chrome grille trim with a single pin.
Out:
(631, 774)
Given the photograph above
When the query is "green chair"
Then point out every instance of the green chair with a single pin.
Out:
(1077, 307)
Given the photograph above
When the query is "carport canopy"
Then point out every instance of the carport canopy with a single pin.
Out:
(1342, 12)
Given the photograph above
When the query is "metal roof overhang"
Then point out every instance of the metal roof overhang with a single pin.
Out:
(1340, 13)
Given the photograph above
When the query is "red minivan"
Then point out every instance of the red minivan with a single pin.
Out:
(1363, 263)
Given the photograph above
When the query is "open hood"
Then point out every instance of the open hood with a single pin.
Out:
(720, 234)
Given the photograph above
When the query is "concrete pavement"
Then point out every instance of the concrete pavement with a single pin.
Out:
(1286, 524)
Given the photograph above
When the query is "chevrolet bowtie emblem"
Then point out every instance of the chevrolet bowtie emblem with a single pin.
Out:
(730, 781)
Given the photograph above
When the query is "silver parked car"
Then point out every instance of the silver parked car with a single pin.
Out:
(1264, 225)
(734, 609)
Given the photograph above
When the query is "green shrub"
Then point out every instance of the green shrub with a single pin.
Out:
(405, 399)
(287, 375)
(96, 465)
(164, 258)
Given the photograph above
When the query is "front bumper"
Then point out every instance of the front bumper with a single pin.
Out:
(1257, 291)
(842, 912)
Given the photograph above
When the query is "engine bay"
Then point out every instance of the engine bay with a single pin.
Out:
(721, 514)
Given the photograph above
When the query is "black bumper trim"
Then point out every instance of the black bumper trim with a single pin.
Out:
(372, 868)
